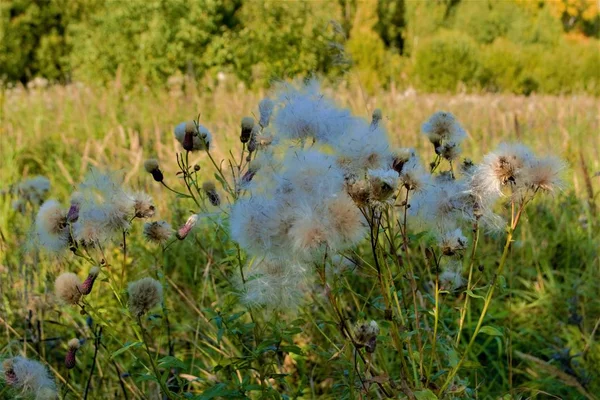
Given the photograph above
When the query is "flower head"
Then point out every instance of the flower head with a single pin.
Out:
(158, 231)
(193, 137)
(143, 295)
(68, 288)
(151, 166)
(442, 127)
(70, 358)
(29, 377)
(51, 226)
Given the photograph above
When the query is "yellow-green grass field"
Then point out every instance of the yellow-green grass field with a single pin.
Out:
(548, 304)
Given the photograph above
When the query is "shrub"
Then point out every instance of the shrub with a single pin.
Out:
(446, 60)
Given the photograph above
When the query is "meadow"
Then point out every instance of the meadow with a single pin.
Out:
(540, 338)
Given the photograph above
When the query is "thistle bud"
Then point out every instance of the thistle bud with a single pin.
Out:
(88, 283)
(73, 214)
(70, 360)
(151, 166)
(252, 170)
(247, 125)
(196, 167)
(376, 117)
(211, 192)
(187, 227)
(188, 138)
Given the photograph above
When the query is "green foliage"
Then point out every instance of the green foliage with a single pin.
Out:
(446, 60)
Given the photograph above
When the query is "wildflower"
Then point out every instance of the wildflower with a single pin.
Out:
(88, 283)
(499, 168)
(158, 231)
(274, 283)
(253, 142)
(305, 113)
(412, 175)
(73, 346)
(254, 224)
(193, 137)
(452, 242)
(68, 288)
(187, 227)
(346, 223)
(442, 127)
(142, 205)
(383, 183)
(29, 377)
(265, 108)
(365, 335)
(449, 150)
(51, 226)
(401, 157)
(247, 125)
(211, 192)
(544, 174)
(151, 166)
(360, 192)
(143, 295)
(309, 232)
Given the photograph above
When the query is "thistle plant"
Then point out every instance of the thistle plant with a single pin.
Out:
(314, 211)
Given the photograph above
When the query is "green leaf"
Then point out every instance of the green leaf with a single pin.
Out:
(291, 349)
(490, 330)
(425, 395)
(129, 345)
(171, 362)
(475, 296)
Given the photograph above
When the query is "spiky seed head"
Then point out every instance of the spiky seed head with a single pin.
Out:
(247, 125)
(68, 288)
(158, 231)
(143, 207)
(143, 295)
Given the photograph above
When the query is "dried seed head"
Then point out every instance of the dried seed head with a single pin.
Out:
(193, 137)
(151, 165)
(143, 207)
(143, 295)
(30, 378)
(211, 192)
(187, 227)
(157, 231)
(453, 242)
(247, 125)
(88, 283)
(365, 334)
(68, 288)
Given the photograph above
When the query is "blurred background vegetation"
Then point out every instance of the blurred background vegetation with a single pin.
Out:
(518, 46)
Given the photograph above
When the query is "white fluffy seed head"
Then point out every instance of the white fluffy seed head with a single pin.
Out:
(441, 127)
(143, 295)
(68, 288)
(29, 377)
(202, 138)
(158, 231)
(151, 165)
(51, 226)
(74, 344)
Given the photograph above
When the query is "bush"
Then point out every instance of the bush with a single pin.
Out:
(446, 60)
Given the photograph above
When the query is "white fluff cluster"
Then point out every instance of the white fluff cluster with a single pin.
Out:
(33, 190)
(29, 377)
(100, 209)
